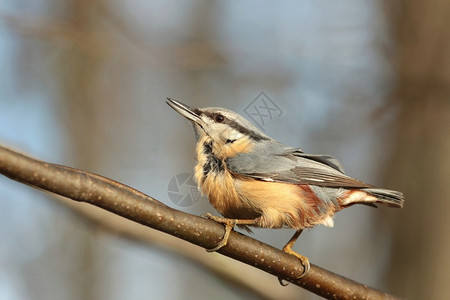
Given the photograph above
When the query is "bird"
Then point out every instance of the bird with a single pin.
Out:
(253, 180)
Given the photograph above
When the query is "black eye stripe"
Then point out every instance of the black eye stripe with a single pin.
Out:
(198, 111)
(217, 117)
(235, 125)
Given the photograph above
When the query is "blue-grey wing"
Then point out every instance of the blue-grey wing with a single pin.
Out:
(284, 164)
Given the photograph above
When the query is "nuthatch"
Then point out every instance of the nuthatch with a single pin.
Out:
(254, 180)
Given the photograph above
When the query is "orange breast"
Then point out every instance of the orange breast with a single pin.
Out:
(280, 203)
(284, 204)
(221, 191)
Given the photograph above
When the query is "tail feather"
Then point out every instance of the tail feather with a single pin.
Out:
(392, 198)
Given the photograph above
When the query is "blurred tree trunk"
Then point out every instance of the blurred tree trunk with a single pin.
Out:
(79, 75)
(420, 161)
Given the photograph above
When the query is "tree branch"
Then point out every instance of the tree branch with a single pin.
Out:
(261, 284)
(129, 203)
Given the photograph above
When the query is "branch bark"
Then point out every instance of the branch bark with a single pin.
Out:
(129, 203)
(261, 284)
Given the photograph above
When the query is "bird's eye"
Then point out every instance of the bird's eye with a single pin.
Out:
(219, 118)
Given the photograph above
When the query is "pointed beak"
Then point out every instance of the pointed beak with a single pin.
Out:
(184, 110)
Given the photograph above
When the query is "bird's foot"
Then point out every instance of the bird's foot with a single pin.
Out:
(303, 259)
(229, 225)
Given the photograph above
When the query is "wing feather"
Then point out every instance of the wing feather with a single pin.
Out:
(295, 167)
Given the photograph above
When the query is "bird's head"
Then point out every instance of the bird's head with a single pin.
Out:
(229, 132)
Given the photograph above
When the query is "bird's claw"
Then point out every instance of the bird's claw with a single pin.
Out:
(280, 280)
(303, 260)
(229, 225)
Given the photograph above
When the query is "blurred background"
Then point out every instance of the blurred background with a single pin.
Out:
(83, 83)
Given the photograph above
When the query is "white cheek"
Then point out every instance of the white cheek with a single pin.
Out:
(235, 135)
